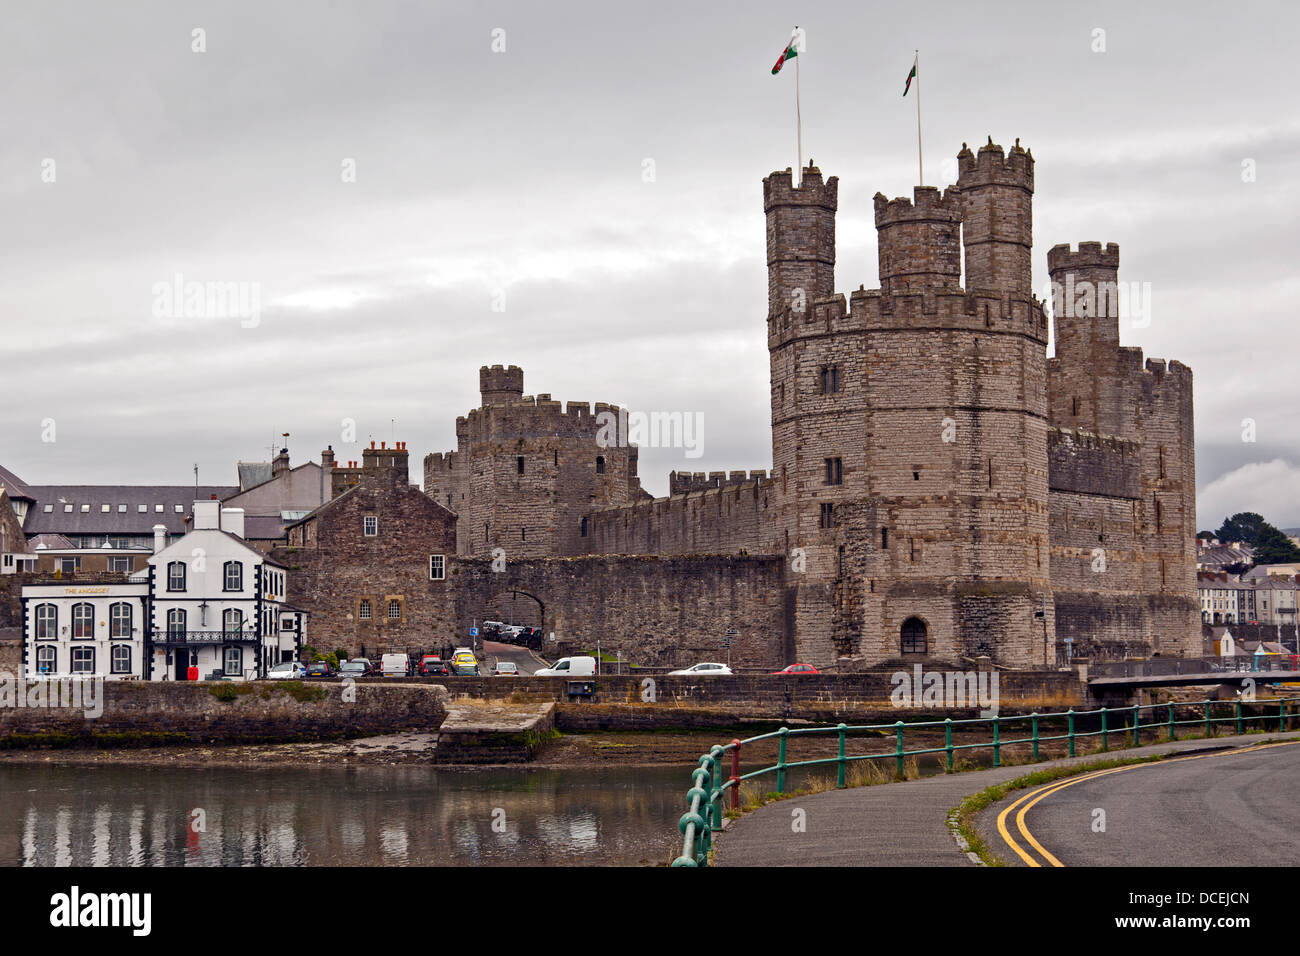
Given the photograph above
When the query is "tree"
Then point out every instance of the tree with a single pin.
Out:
(1243, 526)
(1273, 547)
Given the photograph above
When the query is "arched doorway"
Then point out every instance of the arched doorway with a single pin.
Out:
(913, 638)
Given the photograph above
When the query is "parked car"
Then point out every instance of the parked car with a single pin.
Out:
(703, 670)
(530, 637)
(492, 628)
(357, 667)
(394, 665)
(798, 669)
(582, 666)
(289, 670)
(320, 669)
(431, 665)
(506, 669)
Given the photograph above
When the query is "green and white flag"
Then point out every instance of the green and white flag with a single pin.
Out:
(790, 51)
(910, 77)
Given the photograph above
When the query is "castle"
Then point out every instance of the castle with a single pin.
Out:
(939, 487)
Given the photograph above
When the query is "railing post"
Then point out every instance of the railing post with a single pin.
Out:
(997, 745)
(1034, 722)
(1208, 725)
(947, 745)
(715, 789)
(1105, 737)
(735, 774)
(1172, 734)
(1281, 713)
(1070, 731)
(704, 833)
(841, 780)
(1137, 716)
(898, 748)
(1239, 728)
(780, 760)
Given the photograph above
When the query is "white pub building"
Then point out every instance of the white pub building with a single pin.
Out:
(208, 606)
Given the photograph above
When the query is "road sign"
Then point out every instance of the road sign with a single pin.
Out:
(730, 637)
(473, 632)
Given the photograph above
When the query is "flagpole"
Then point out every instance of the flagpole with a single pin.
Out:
(798, 115)
(920, 166)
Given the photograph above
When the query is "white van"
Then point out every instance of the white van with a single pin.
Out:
(394, 665)
(569, 667)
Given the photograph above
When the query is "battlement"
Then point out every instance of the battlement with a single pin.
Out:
(1090, 255)
(681, 482)
(992, 166)
(540, 416)
(779, 189)
(499, 384)
(927, 204)
(871, 310)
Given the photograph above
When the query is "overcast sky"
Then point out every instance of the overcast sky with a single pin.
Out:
(521, 173)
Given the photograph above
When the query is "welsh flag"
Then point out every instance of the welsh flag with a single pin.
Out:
(910, 77)
(790, 53)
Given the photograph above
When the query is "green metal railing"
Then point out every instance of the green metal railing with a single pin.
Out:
(711, 784)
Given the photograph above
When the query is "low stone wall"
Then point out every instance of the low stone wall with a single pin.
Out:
(138, 713)
(513, 738)
(820, 697)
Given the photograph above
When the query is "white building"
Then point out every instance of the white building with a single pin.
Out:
(207, 606)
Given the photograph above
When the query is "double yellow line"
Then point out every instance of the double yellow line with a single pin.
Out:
(1027, 802)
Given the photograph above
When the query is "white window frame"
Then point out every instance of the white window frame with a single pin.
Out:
(183, 577)
(47, 621)
(437, 567)
(365, 611)
(238, 653)
(47, 652)
(394, 605)
(238, 568)
(370, 526)
(83, 659)
(116, 652)
(79, 620)
(116, 612)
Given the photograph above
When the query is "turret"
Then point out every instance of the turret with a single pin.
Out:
(500, 386)
(1085, 301)
(800, 239)
(997, 192)
(920, 241)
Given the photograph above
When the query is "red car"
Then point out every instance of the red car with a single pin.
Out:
(798, 669)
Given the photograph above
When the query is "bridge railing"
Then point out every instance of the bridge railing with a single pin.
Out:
(1177, 666)
(713, 783)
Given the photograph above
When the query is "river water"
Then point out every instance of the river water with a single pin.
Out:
(363, 816)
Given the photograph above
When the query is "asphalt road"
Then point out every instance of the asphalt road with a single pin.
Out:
(1232, 808)
(905, 824)
(494, 651)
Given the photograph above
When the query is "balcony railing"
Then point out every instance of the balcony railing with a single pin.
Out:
(203, 638)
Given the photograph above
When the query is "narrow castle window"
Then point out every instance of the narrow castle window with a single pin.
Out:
(1074, 405)
(830, 375)
(523, 534)
(1162, 461)
(600, 464)
(827, 515)
(584, 527)
(834, 471)
(884, 539)
(519, 464)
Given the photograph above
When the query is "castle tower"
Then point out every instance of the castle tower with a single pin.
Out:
(800, 239)
(997, 223)
(920, 241)
(1085, 322)
(527, 470)
(500, 386)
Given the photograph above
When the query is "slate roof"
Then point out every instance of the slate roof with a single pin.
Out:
(96, 521)
(253, 473)
(16, 487)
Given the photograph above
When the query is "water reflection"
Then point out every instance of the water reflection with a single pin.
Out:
(118, 816)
